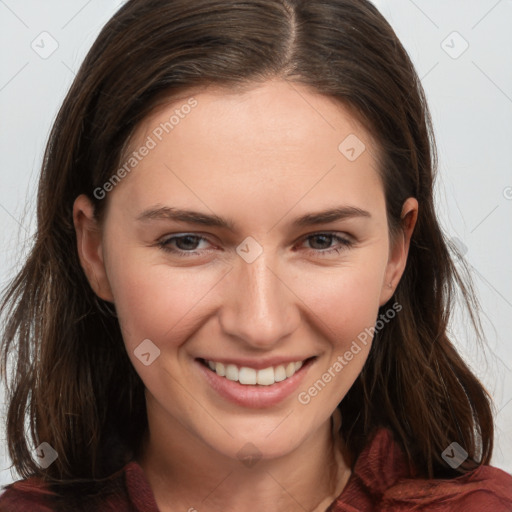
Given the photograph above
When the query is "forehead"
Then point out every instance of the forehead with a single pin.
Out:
(278, 107)
(275, 136)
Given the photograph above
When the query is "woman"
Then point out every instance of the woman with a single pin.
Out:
(184, 336)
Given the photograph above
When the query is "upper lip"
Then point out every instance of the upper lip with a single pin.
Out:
(257, 364)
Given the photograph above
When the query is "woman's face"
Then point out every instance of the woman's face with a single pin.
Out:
(259, 276)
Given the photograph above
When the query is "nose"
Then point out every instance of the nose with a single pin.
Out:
(260, 309)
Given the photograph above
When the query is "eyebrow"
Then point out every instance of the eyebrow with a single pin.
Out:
(212, 220)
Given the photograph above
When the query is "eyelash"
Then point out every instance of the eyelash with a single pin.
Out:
(164, 244)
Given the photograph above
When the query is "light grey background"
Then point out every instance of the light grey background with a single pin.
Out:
(470, 96)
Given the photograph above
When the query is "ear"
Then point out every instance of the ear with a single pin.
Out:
(90, 247)
(399, 250)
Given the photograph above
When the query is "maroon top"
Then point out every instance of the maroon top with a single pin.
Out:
(380, 481)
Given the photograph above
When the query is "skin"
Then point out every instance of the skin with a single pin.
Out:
(261, 158)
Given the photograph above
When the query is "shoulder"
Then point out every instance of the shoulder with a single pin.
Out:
(485, 488)
(30, 494)
(381, 475)
(35, 495)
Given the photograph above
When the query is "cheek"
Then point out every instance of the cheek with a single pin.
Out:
(346, 299)
(345, 306)
(154, 301)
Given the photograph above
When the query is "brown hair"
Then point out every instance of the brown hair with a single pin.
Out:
(71, 374)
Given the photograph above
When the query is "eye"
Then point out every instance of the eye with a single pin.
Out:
(185, 244)
(326, 239)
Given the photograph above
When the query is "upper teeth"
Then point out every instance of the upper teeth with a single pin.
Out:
(245, 375)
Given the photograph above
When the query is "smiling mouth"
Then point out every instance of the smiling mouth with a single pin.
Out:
(250, 376)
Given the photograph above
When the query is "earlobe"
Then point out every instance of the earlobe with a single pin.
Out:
(90, 247)
(399, 250)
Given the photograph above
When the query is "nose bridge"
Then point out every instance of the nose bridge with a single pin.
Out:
(260, 310)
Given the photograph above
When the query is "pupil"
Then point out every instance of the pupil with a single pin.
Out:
(328, 237)
(184, 240)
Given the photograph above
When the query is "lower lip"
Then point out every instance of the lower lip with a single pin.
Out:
(254, 396)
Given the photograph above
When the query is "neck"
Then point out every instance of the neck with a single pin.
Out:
(186, 474)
